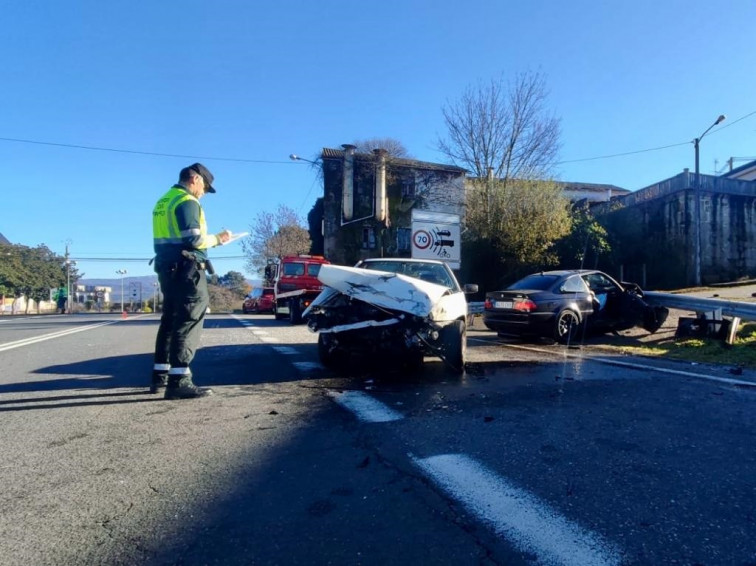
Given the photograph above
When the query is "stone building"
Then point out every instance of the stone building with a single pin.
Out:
(368, 201)
(658, 230)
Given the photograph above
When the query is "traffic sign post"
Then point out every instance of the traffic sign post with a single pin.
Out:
(436, 235)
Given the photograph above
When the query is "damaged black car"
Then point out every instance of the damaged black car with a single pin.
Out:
(561, 305)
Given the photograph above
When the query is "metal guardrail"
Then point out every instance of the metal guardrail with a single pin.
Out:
(736, 309)
(475, 307)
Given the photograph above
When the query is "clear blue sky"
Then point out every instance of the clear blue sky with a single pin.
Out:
(256, 81)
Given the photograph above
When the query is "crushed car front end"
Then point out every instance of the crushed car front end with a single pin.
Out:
(376, 314)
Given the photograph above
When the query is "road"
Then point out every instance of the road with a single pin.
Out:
(539, 454)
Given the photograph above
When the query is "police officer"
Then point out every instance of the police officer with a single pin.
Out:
(181, 243)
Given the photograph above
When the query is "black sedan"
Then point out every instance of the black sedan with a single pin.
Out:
(561, 304)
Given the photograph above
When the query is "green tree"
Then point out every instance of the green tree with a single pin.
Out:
(586, 243)
(514, 227)
(235, 282)
(275, 235)
(32, 272)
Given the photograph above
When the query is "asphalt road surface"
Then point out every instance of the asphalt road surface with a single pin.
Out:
(539, 454)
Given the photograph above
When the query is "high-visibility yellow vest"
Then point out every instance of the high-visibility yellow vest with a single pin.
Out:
(165, 228)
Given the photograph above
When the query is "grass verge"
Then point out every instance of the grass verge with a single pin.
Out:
(705, 350)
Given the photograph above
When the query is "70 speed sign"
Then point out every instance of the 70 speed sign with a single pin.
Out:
(422, 239)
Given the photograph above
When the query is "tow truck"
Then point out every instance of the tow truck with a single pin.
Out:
(295, 283)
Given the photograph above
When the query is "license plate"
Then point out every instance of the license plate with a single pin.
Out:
(503, 304)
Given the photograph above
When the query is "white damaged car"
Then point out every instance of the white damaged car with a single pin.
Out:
(397, 307)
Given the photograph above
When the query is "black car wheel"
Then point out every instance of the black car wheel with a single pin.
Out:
(566, 327)
(295, 312)
(328, 353)
(454, 345)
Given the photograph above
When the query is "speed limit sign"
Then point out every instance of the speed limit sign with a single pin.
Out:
(421, 239)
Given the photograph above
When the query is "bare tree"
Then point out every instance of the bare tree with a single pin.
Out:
(502, 126)
(274, 235)
(394, 147)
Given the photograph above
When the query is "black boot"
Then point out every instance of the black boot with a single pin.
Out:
(159, 380)
(182, 387)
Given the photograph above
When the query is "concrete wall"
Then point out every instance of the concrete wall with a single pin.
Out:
(665, 218)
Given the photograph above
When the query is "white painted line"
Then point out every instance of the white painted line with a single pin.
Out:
(286, 350)
(611, 361)
(727, 380)
(268, 339)
(307, 366)
(530, 524)
(52, 335)
(365, 407)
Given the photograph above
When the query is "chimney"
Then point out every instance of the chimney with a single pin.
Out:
(381, 202)
(347, 189)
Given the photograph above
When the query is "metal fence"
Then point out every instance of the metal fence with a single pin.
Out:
(735, 309)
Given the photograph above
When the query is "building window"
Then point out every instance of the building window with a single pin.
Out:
(403, 239)
(408, 187)
(368, 238)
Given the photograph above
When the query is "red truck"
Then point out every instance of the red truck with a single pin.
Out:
(295, 282)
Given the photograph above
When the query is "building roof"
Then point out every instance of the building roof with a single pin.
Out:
(592, 188)
(738, 171)
(329, 153)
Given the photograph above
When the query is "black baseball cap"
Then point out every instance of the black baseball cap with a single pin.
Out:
(203, 172)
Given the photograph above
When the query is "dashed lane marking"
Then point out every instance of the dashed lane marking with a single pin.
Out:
(286, 350)
(365, 407)
(307, 366)
(527, 522)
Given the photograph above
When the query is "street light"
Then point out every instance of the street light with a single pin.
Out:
(69, 263)
(121, 272)
(696, 142)
(295, 157)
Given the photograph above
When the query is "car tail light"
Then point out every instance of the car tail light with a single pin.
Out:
(525, 305)
(488, 305)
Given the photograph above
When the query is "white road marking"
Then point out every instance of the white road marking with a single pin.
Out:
(52, 335)
(635, 365)
(365, 407)
(307, 366)
(286, 350)
(530, 524)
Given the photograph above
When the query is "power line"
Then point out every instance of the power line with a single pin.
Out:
(621, 154)
(135, 152)
(243, 160)
(653, 148)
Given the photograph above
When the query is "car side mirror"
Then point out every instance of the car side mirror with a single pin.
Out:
(470, 288)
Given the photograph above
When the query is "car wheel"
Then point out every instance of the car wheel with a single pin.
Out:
(295, 313)
(566, 327)
(328, 354)
(454, 346)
